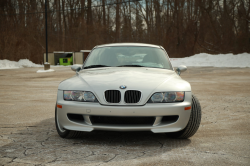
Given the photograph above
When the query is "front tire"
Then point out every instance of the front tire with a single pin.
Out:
(63, 132)
(193, 123)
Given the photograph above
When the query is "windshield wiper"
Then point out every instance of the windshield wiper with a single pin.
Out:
(130, 66)
(95, 66)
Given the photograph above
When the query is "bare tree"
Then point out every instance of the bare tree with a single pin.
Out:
(182, 27)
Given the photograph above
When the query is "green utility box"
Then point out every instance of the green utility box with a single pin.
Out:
(66, 59)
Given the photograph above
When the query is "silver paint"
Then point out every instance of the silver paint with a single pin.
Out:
(144, 79)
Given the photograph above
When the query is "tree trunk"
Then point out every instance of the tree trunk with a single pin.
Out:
(117, 21)
(104, 14)
(64, 26)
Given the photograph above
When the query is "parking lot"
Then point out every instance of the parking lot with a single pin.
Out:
(28, 135)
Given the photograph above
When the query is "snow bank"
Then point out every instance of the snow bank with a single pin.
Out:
(6, 64)
(220, 60)
(45, 71)
(199, 60)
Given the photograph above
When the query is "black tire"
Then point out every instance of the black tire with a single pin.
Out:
(193, 123)
(65, 133)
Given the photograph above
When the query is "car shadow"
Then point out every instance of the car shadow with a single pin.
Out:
(40, 144)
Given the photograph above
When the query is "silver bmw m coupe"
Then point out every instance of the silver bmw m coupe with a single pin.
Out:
(127, 87)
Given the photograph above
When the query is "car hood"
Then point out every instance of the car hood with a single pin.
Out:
(146, 80)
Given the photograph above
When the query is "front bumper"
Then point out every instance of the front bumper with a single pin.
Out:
(157, 110)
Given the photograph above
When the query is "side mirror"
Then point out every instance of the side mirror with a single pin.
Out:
(76, 68)
(181, 69)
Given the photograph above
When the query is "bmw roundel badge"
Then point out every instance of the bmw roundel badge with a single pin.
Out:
(123, 87)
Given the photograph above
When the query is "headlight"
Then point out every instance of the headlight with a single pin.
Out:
(82, 96)
(166, 97)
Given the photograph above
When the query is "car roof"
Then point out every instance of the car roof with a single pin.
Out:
(127, 44)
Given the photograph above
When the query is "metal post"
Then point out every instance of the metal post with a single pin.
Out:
(46, 64)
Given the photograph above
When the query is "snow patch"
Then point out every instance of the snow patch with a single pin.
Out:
(6, 64)
(220, 60)
(198, 60)
(45, 71)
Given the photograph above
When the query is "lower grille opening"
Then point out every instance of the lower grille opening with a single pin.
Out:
(118, 120)
(75, 117)
(169, 119)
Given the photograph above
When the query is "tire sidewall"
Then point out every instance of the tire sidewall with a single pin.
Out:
(193, 123)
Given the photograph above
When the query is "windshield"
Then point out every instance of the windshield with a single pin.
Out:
(128, 57)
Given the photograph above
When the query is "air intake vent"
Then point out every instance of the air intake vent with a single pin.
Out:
(132, 96)
(121, 120)
(113, 96)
